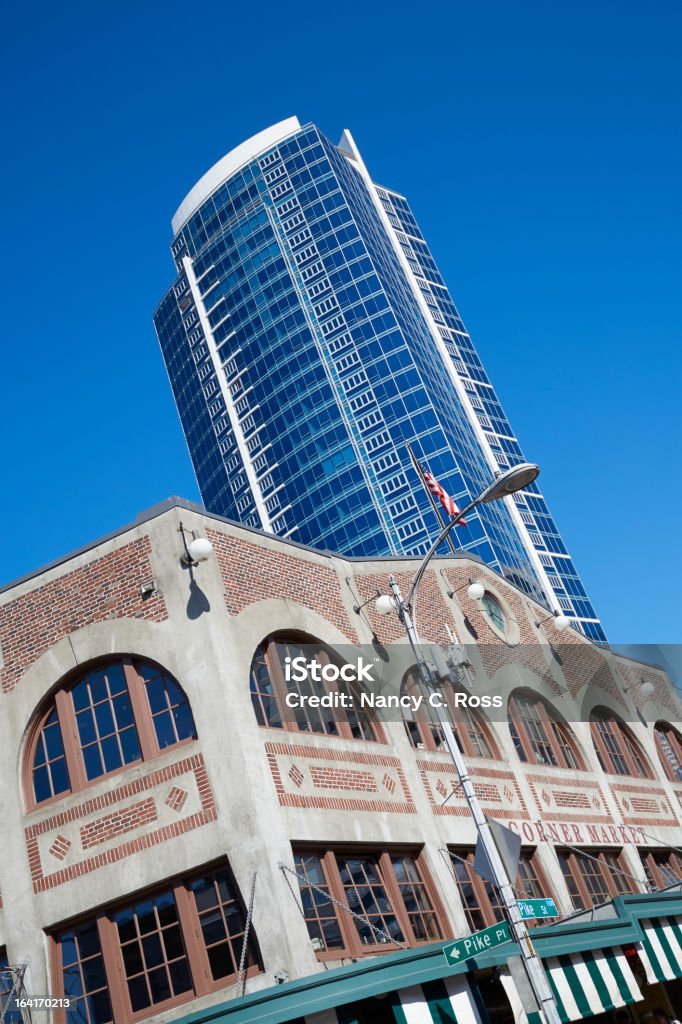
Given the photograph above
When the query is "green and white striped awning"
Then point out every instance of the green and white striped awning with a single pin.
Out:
(661, 948)
(591, 982)
(446, 1001)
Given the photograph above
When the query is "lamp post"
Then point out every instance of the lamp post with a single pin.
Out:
(544, 1009)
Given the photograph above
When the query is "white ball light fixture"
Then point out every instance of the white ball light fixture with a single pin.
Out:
(385, 604)
(475, 591)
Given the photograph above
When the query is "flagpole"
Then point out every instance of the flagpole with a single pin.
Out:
(431, 497)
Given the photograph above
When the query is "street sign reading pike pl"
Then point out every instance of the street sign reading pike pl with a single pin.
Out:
(477, 943)
(545, 907)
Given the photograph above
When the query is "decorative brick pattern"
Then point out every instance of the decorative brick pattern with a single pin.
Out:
(388, 783)
(105, 588)
(296, 775)
(641, 804)
(497, 790)
(60, 847)
(343, 778)
(112, 825)
(344, 771)
(177, 798)
(568, 799)
(147, 838)
(435, 613)
(252, 572)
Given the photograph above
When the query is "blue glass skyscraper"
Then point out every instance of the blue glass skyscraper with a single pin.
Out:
(308, 337)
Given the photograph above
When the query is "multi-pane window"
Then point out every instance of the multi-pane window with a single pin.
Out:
(481, 900)
(270, 688)
(662, 867)
(8, 991)
(615, 747)
(388, 893)
(539, 736)
(115, 715)
(669, 744)
(161, 950)
(593, 876)
(424, 731)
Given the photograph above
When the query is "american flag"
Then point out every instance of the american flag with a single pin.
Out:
(448, 503)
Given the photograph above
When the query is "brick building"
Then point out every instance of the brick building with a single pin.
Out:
(160, 800)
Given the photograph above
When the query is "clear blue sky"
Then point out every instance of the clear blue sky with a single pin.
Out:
(539, 145)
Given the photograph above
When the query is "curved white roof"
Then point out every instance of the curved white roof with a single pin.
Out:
(230, 163)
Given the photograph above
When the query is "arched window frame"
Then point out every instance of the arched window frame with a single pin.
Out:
(288, 719)
(424, 731)
(667, 736)
(551, 743)
(628, 758)
(61, 703)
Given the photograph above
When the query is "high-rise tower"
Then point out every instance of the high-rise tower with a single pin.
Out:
(308, 337)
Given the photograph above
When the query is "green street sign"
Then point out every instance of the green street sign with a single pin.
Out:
(477, 943)
(537, 908)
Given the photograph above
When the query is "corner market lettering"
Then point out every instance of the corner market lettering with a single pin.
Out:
(579, 834)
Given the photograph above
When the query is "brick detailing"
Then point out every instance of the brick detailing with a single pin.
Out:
(434, 611)
(112, 825)
(633, 677)
(60, 847)
(343, 778)
(641, 804)
(254, 572)
(493, 786)
(561, 799)
(191, 765)
(569, 798)
(177, 798)
(107, 587)
(296, 775)
(388, 783)
(356, 778)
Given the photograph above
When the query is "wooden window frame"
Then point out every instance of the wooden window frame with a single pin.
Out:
(576, 874)
(651, 860)
(195, 950)
(353, 948)
(280, 691)
(483, 904)
(62, 702)
(623, 740)
(674, 739)
(425, 727)
(552, 726)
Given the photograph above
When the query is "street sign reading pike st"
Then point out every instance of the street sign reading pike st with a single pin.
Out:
(479, 942)
(545, 907)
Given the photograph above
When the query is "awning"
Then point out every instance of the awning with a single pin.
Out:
(591, 982)
(661, 948)
(446, 1001)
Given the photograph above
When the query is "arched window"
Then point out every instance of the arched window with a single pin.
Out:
(539, 735)
(274, 660)
(616, 748)
(669, 744)
(473, 736)
(116, 714)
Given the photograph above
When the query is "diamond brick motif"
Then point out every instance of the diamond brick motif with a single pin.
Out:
(508, 794)
(440, 786)
(389, 783)
(547, 797)
(176, 798)
(60, 847)
(596, 802)
(296, 775)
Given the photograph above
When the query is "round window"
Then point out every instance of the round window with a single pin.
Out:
(493, 611)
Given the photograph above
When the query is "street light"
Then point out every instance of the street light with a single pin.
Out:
(514, 479)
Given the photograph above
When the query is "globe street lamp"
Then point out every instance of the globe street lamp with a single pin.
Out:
(543, 1006)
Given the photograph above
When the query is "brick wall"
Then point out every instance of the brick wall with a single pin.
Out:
(252, 573)
(105, 588)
